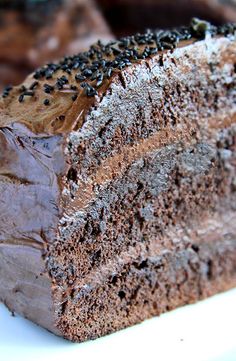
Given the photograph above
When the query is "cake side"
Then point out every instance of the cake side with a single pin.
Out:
(25, 286)
(139, 177)
(30, 172)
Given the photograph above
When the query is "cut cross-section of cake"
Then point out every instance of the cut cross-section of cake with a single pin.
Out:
(117, 181)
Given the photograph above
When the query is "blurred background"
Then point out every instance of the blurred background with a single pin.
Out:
(34, 32)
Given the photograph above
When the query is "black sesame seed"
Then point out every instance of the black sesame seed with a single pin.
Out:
(80, 77)
(95, 75)
(76, 65)
(109, 72)
(34, 85)
(82, 66)
(59, 84)
(48, 75)
(48, 88)
(46, 102)
(21, 98)
(63, 79)
(6, 91)
(84, 85)
(101, 60)
(64, 67)
(90, 91)
(29, 93)
(99, 43)
(102, 63)
(121, 65)
(93, 68)
(87, 73)
(74, 97)
(99, 83)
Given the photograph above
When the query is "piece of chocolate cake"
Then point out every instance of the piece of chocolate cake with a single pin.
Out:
(35, 32)
(117, 181)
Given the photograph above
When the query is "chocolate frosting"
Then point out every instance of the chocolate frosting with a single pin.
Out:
(29, 170)
(63, 93)
(25, 287)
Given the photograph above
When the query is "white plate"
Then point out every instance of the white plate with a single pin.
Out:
(205, 331)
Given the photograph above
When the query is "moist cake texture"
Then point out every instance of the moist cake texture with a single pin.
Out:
(117, 181)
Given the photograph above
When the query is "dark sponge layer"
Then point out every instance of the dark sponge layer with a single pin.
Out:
(147, 288)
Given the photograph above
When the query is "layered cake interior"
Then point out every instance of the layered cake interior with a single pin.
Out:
(117, 181)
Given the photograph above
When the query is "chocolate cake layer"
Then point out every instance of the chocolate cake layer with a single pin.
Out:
(122, 172)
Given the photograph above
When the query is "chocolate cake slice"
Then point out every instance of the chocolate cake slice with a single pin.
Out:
(117, 181)
(35, 32)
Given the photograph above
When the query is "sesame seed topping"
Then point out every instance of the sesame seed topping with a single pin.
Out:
(21, 98)
(48, 88)
(6, 91)
(80, 77)
(46, 102)
(74, 97)
(34, 85)
(91, 69)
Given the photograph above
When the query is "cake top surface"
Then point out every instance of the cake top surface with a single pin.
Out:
(55, 97)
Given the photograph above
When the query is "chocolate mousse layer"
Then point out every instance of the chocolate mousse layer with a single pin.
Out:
(117, 181)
